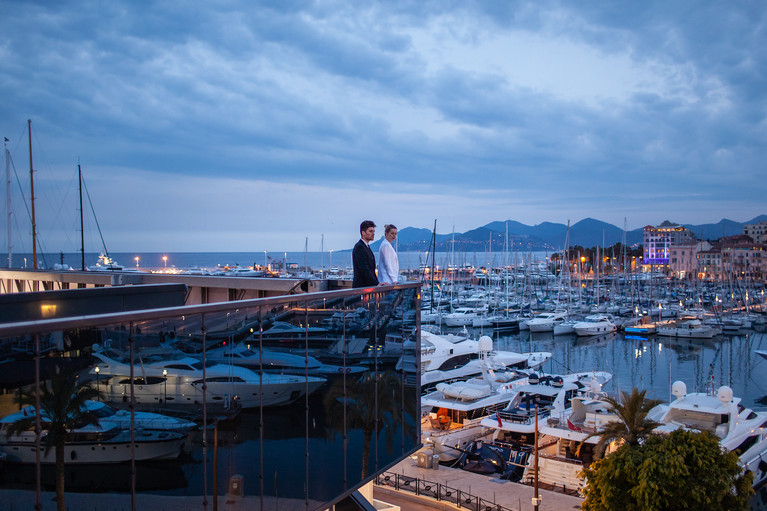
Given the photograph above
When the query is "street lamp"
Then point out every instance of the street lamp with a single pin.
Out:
(136, 258)
(165, 261)
(165, 377)
(98, 387)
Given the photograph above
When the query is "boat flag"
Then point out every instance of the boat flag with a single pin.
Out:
(497, 416)
(573, 427)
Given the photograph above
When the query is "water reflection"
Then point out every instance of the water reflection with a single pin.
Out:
(654, 363)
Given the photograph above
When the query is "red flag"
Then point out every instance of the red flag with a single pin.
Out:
(497, 416)
(572, 426)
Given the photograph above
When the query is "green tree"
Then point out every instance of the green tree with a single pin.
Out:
(681, 471)
(633, 426)
(370, 404)
(62, 401)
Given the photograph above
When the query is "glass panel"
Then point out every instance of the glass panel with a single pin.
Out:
(306, 397)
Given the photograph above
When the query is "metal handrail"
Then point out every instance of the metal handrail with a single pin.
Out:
(44, 326)
(437, 491)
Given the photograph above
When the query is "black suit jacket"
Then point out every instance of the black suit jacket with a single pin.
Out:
(364, 263)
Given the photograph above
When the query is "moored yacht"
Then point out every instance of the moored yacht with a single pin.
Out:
(275, 361)
(546, 321)
(181, 381)
(722, 414)
(546, 396)
(595, 324)
(105, 442)
(455, 411)
(692, 328)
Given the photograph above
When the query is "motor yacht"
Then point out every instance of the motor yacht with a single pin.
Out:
(453, 411)
(722, 414)
(141, 420)
(545, 396)
(275, 361)
(106, 442)
(450, 357)
(692, 328)
(595, 324)
(546, 321)
(181, 380)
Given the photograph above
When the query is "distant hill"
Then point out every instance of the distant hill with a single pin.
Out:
(588, 232)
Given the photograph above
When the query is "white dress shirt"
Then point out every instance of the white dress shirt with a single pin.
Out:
(388, 263)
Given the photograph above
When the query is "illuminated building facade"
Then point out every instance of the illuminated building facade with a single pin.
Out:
(659, 240)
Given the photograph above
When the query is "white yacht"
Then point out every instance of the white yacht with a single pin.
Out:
(568, 440)
(450, 357)
(595, 324)
(722, 414)
(181, 381)
(548, 396)
(275, 361)
(462, 316)
(106, 442)
(141, 420)
(546, 321)
(455, 410)
(692, 328)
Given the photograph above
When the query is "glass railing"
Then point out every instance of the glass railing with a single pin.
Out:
(296, 399)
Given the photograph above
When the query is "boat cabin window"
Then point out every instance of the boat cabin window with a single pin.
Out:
(747, 444)
(183, 367)
(104, 411)
(224, 379)
(457, 361)
(151, 380)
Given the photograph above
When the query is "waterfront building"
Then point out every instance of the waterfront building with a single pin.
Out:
(659, 240)
(758, 232)
(737, 257)
(683, 258)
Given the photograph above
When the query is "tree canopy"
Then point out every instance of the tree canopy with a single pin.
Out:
(681, 471)
(633, 426)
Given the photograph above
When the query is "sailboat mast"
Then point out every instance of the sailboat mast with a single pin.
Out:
(82, 230)
(32, 199)
(8, 196)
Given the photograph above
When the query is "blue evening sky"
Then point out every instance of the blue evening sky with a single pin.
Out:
(244, 126)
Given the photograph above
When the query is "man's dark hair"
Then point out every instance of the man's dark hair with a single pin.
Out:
(367, 224)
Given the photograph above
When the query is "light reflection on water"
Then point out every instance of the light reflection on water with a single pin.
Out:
(654, 362)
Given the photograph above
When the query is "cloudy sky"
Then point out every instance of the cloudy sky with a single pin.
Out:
(244, 126)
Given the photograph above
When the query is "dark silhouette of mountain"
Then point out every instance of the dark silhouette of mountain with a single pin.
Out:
(550, 236)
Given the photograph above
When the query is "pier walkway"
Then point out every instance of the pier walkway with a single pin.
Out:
(503, 493)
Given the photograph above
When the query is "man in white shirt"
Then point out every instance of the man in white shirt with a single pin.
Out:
(388, 263)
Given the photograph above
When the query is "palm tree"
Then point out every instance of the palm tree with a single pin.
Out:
(633, 426)
(62, 400)
(371, 403)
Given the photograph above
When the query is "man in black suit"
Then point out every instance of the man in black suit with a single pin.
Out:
(363, 260)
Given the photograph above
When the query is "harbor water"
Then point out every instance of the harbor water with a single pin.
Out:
(651, 363)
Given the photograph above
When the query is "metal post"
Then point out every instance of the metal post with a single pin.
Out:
(38, 426)
(215, 466)
(204, 423)
(132, 422)
(536, 498)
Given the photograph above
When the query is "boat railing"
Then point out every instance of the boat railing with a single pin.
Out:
(523, 416)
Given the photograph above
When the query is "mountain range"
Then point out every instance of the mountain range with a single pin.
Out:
(547, 236)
